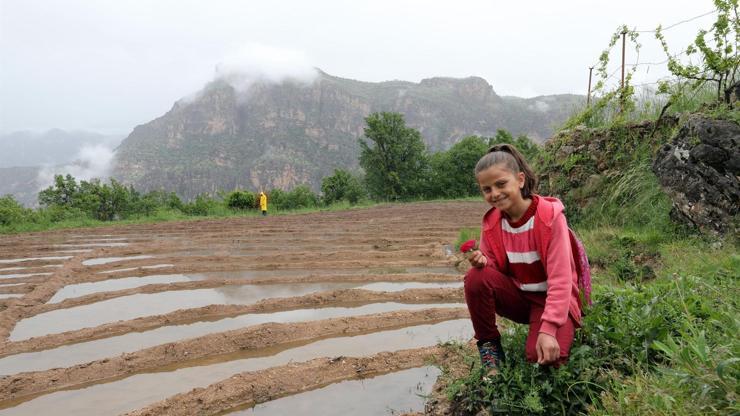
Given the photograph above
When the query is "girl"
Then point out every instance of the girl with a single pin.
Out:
(524, 269)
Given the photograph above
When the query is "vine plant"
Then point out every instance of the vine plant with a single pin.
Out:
(717, 50)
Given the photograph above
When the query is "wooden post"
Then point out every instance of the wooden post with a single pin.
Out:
(624, 40)
(621, 88)
(588, 96)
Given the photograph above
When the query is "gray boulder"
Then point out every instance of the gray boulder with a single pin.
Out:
(699, 170)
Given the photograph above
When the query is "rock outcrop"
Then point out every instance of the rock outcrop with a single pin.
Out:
(699, 169)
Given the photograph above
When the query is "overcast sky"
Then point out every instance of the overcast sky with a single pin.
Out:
(109, 65)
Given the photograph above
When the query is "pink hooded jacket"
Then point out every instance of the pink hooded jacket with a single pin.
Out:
(553, 245)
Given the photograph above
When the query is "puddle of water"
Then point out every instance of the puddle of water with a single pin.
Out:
(101, 238)
(135, 306)
(17, 275)
(393, 394)
(12, 268)
(11, 284)
(399, 286)
(69, 355)
(91, 245)
(128, 269)
(10, 295)
(5, 261)
(81, 289)
(142, 389)
(82, 250)
(106, 260)
(256, 274)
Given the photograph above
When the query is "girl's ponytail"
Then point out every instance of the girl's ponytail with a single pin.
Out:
(508, 155)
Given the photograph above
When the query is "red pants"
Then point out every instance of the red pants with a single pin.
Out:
(489, 292)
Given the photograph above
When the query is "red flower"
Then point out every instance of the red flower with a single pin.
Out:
(468, 246)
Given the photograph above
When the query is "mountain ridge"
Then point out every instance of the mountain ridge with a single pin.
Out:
(279, 135)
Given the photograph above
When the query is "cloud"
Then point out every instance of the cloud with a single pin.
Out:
(92, 161)
(541, 106)
(255, 62)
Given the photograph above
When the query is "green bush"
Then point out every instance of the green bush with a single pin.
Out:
(278, 198)
(342, 185)
(301, 197)
(241, 200)
(203, 204)
(11, 212)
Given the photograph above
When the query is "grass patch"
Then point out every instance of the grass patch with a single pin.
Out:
(164, 215)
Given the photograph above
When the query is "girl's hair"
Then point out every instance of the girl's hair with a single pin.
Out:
(512, 160)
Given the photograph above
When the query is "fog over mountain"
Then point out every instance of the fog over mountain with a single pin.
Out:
(29, 160)
(52, 147)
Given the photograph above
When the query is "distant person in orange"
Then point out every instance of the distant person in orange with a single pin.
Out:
(263, 203)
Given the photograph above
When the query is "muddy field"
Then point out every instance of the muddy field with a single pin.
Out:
(296, 314)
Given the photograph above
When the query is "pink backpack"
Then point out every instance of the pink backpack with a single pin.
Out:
(582, 267)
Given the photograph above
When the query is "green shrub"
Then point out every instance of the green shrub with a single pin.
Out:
(342, 185)
(301, 197)
(241, 200)
(11, 212)
(203, 204)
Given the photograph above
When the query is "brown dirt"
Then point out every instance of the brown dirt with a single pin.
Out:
(223, 343)
(247, 389)
(377, 244)
(343, 297)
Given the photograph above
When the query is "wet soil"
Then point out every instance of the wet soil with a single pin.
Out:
(250, 388)
(384, 247)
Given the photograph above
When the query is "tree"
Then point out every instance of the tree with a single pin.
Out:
(61, 193)
(719, 59)
(395, 162)
(453, 170)
(341, 186)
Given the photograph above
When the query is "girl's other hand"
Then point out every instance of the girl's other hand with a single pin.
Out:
(548, 350)
(477, 259)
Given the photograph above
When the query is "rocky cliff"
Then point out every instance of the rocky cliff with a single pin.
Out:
(280, 135)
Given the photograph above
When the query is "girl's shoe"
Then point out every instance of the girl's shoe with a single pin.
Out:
(491, 354)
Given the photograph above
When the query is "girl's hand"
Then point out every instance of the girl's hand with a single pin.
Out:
(477, 259)
(548, 350)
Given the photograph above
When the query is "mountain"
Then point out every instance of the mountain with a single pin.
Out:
(280, 135)
(22, 183)
(52, 147)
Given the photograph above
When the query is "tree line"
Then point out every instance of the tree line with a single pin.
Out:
(397, 167)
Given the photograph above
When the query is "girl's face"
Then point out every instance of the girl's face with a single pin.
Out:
(502, 188)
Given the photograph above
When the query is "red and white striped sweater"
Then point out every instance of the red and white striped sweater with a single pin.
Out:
(545, 244)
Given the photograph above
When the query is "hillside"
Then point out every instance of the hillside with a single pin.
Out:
(282, 135)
